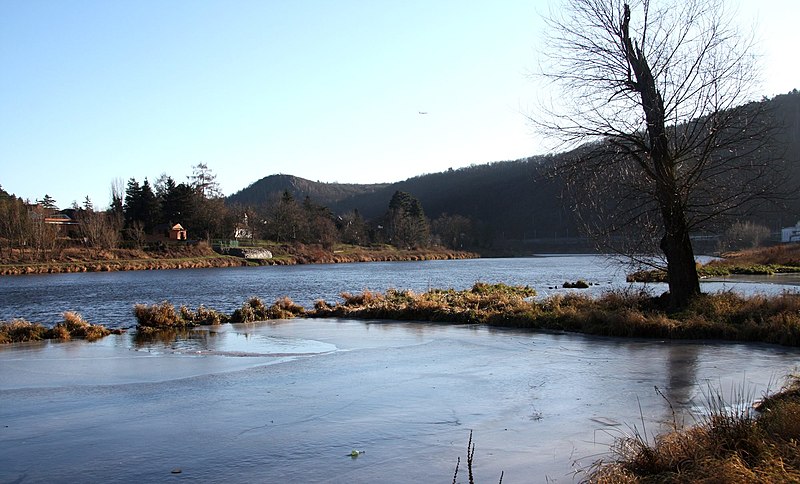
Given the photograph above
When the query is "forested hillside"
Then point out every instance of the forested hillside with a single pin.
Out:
(273, 186)
(509, 205)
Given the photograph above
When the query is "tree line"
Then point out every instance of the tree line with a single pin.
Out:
(143, 212)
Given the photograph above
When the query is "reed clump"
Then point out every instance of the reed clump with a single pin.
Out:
(73, 326)
(163, 316)
(203, 316)
(20, 331)
(159, 316)
(254, 310)
(732, 444)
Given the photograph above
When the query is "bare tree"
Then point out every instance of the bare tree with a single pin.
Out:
(99, 229)
(137, 233)
(743, 235)
(658, 91)
(204, 181)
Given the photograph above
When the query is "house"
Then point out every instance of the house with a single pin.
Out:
(177, 232)
(242, 230)
(167, 231)
(791, 234)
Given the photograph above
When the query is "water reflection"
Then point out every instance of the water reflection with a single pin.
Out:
(681, 373)
(240, 341)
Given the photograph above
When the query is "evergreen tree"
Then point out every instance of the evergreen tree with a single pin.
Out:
(151, 208)
(406, 224)
(48, 202)
(133, 202)
(141, 205)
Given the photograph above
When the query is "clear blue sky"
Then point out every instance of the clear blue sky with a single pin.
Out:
(329, 90)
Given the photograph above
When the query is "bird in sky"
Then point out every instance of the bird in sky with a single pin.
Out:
(423, 112)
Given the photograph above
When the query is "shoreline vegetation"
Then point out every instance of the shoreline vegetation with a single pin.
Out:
(767, 261)
(72, 327)
(201, 255)
(723, 316)
(734, 443)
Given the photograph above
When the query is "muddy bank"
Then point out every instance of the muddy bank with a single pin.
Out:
(201, 256)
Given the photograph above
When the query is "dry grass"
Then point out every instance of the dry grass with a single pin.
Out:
(484, 303)
(774, 319)
(75, 327)
(72, 327)
(163, 317)
(730, 445)
(19, 331)
(159, 316)
(203, 316)
(255, 310)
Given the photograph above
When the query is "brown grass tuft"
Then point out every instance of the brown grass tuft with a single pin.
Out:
(729, 445)
(76, 327)
(19, 330)
(159, 316)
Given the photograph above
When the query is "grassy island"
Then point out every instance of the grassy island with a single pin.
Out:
(725, 316)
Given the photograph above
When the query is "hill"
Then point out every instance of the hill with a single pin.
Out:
(512, 205)
(272, 187)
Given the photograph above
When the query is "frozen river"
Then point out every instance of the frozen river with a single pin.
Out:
(288, 401)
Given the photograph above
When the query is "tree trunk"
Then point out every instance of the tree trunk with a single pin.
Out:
(681, 269)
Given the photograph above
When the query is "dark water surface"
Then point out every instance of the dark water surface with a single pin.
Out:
(108, 298)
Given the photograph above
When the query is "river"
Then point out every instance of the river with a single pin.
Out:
(108, 297)
(288, 401)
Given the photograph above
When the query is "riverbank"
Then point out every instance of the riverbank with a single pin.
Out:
(730, 444)
(196, 256)
(763, 261)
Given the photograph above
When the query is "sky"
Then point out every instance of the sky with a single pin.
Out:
(329, 90)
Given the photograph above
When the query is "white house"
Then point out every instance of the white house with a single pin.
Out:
(791, 234)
